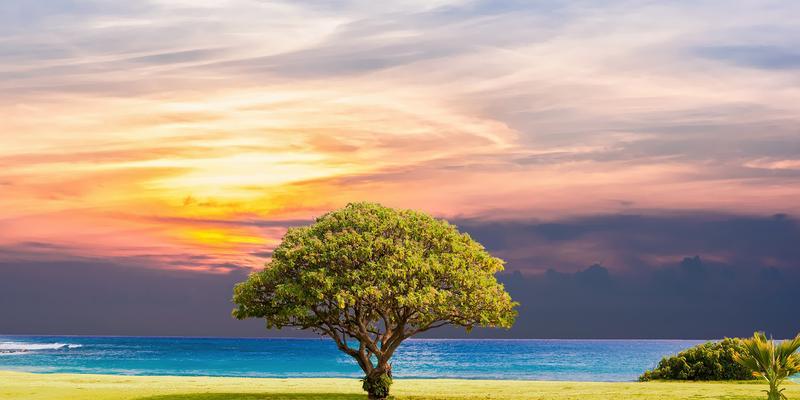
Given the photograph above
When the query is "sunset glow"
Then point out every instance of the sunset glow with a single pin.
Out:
(126, 133)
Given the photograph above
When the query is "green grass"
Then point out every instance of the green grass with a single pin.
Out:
(16, 385)
(256, 396)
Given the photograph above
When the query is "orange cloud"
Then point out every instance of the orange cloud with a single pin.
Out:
(139, 123)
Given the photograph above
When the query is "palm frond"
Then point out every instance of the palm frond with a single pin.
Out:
(771, 361)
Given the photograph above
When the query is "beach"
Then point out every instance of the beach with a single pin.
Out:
(30, 386)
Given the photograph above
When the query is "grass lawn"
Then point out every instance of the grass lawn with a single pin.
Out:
(17, 385)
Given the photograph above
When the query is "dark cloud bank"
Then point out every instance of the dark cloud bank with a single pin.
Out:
(717, 275)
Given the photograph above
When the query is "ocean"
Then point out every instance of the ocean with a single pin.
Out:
(574, 360)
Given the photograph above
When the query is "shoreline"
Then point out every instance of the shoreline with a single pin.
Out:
(354, 377)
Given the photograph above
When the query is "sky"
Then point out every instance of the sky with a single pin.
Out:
(630, 160)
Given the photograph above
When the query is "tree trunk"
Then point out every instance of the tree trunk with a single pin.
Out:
(774, 393)
(377, 383)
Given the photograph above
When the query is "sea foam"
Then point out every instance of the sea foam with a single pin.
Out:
(14, 347)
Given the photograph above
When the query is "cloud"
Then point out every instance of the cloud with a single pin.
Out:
(395, 40)
(263, 254)
(640, 241)
(653, 276)
(22, 17)
(693, 298)
(766, 57)
(90, 297)
(260, 223)
(702, 275)
(152, 134)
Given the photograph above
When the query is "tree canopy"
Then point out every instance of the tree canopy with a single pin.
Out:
(375, 276)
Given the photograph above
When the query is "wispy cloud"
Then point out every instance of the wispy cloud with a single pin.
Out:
(766, 57)
(179, 125)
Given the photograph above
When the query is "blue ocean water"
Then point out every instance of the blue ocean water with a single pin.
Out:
(581, 360)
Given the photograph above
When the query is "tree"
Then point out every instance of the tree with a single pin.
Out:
(773, 362)
(370, 277)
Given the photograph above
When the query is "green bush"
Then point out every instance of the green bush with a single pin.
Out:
(712, 361)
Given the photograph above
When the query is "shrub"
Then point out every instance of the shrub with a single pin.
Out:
(377, 386)
(712, 361)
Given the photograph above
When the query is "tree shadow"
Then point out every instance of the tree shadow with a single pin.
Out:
(257, 396)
